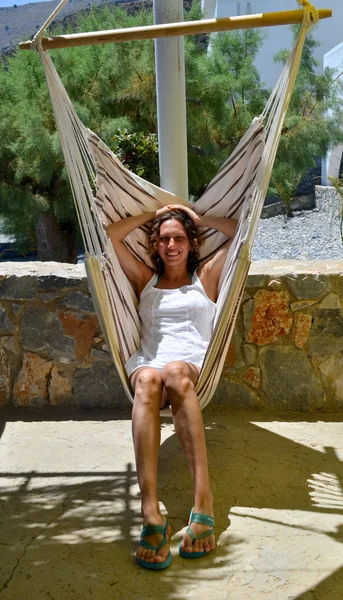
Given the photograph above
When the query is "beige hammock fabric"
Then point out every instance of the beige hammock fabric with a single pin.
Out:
(105, 191)
(120, 193)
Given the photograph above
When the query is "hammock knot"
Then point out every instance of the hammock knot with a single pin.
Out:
(310, 13)
(36, 44)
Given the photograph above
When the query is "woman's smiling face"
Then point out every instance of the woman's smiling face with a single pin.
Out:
(173, 244)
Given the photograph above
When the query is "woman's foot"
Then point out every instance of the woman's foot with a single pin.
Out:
(151, 556)
(204, 544)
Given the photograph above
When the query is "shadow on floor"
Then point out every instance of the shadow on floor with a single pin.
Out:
(71, 533)
(328, 589)
(255, 468)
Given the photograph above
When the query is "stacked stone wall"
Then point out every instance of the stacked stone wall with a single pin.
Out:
(328, 200)
(286, 352)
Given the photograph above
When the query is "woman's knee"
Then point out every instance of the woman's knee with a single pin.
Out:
(147, 383)
(177, 379)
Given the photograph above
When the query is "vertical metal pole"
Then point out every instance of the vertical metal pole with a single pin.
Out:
(171, 101)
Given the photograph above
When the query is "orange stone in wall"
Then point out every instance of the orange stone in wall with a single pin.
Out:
(83, 332)
(31, 387)
(271, 318)
(231, 356)
(4, 378)
(301, 328)
(253, 377)
(60, 389)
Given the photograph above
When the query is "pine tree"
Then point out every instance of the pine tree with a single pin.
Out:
(112, 87)
(224, 93)
(313, 122)
(33, 183)
(113, 90)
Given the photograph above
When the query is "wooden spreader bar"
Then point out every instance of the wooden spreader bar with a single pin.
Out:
(129, 34)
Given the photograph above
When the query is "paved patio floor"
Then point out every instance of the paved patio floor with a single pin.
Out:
(70, 519)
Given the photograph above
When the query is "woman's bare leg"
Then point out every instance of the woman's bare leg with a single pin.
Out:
(147, 385)
(179, 379)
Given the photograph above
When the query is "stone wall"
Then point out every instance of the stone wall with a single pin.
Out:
(278, 208)
(325, 198)
(328, 200)
(286, 352)
(51, 349)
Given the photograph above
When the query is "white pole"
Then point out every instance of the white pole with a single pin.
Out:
(209, 9)
(171, 101)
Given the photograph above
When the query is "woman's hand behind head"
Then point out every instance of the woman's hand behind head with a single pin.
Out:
(191, 213)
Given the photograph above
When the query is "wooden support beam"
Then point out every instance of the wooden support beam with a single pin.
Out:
(129, 34)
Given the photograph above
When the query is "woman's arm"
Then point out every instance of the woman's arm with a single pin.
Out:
(119, 230)
(211, 271)
(137, 272)
(223, 224)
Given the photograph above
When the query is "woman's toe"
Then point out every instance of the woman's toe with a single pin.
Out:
(146, 555)
(161, 557)
(187, 544)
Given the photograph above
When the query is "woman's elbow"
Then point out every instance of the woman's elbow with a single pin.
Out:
(109, 228)
(111, 232)
(234, 223)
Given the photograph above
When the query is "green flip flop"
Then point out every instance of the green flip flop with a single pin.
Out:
(152, 530)
(202, 519)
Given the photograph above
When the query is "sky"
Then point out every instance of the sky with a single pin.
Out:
(5, 3)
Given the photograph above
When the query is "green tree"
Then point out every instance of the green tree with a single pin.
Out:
(113, 90)
(138, 152)
(312, 125)
(224, 93)
(35, 197)
(33, 186)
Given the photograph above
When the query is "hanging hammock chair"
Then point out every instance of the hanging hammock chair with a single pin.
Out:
(105, 191)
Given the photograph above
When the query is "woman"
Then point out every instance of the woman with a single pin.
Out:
(177, 308)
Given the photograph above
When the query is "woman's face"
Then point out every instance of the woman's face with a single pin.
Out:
(173, 245)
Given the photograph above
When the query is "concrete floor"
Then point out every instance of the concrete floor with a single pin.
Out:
(70, 509)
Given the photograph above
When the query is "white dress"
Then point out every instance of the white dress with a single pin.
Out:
(176, 325)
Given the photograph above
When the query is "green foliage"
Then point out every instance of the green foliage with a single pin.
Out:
(138, 152)
(112, 87)
(312, 124)
(31, 177)
(224, 93)
(112, 81)
(108, 95)
(286, 181)
(113, 90)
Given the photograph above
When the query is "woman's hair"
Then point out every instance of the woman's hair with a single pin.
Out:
(192, 234)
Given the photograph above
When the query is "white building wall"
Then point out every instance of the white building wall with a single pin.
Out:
(331, 164)
(208, 8)
(329, 32)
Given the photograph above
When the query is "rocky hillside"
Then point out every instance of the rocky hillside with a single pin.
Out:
(19, 23)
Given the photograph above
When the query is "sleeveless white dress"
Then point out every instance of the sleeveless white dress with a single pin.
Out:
(176, 325)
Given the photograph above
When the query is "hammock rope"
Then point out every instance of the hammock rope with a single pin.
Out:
(105, 191)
